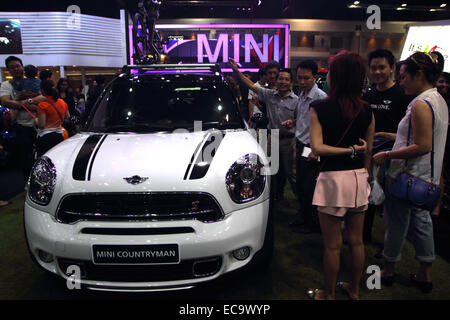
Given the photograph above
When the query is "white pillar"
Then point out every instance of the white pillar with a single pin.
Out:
(62, 72)
(1, 76)
(83, 77)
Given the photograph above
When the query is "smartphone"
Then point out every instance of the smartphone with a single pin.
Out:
(306, 152)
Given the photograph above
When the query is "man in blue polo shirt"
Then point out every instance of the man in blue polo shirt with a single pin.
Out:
(281, 105)
(307, 162)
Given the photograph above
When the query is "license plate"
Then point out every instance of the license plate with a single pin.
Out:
(136, 254)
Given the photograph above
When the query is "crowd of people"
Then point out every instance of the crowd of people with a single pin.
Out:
(43, 113)
(349, 145)
(340, 150)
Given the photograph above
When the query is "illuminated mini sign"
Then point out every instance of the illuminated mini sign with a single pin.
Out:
(250, 45)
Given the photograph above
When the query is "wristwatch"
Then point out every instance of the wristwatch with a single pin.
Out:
(30, 101)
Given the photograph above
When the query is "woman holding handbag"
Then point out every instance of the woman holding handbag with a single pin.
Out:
(415, 169)
(51, 114)
(341, 130)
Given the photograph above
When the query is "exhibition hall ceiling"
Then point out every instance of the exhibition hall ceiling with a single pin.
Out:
(254, 9)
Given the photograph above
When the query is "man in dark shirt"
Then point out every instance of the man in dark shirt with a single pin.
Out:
(389, 103)
(94, 92)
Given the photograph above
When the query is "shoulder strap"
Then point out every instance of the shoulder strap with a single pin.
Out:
(432, 141)
(57, 112)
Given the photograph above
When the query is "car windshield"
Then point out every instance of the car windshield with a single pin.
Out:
(150, 104)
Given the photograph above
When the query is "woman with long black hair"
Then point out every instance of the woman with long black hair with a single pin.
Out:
(341, 131)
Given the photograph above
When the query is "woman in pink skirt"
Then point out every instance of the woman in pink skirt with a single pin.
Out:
(342, 130)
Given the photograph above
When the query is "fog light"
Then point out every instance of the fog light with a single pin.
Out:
(241, 253)
(45, 256)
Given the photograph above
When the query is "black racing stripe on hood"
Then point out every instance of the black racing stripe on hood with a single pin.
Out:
(199, 171)
(193, 155)
(81, 162)
(95, 154)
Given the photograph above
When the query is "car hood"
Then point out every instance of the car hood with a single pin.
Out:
(156, 162)
(163, 161)
(157, 157)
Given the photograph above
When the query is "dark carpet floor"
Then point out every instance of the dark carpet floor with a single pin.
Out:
(297, 266)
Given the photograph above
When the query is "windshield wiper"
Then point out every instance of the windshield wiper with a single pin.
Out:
(138, 128)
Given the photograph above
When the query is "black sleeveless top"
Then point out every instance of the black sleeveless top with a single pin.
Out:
(333, 127)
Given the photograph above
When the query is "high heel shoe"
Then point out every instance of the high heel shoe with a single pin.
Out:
(344, 286)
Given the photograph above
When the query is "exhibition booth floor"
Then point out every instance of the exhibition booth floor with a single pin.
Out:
(296, 266)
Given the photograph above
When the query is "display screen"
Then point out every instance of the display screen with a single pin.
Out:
(10, 37)
(428, 39)
(251, 45)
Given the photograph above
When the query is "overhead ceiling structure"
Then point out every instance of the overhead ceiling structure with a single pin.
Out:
(302, 9)
(391, 10)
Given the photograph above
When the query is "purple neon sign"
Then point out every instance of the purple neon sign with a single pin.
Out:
(251, 46)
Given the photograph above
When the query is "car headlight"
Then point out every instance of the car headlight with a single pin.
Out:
(41, 183)
(245, 179)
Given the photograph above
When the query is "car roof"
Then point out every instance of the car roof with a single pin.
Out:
(178, 72)
(179, 77)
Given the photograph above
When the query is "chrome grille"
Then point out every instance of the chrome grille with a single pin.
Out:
(138, 207)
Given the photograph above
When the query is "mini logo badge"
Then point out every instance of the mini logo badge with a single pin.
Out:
(135, 180)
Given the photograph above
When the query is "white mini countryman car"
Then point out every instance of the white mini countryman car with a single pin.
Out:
(164, 188)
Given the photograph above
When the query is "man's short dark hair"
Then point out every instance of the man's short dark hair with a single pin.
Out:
(30, 71)
(261, 72)
(273, 64)
(45, 74)
(446, 76)
(382, 53)
(310, 65)
(12, 58)
(287, 70)
(100, 80)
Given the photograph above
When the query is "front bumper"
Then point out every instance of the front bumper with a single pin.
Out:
(207, 241)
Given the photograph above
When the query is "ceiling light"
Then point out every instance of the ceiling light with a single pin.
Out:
(443, 5)
(432, 9)
(404, 4)
(356, 3)
(401, 8)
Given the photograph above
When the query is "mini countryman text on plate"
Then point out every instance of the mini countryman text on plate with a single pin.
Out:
(136, 254)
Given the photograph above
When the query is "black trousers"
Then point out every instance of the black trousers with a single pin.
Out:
(26, 138)
(307, 173)
(48, 141)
